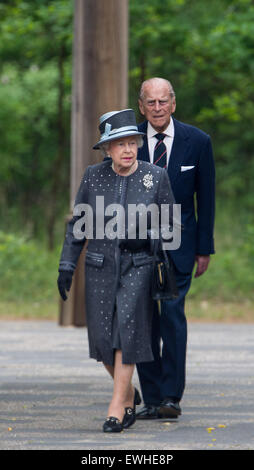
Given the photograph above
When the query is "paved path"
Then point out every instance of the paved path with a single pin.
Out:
(52, 396)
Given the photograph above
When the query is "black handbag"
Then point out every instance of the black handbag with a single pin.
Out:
(163, 276)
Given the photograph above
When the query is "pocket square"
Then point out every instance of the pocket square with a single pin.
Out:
(185, 168)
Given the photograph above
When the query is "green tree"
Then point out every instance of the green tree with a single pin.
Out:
(206, 50)
(35, 52)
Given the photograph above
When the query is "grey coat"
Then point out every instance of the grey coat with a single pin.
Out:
(118, 301)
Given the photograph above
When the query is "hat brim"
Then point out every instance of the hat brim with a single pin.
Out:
(117, 137)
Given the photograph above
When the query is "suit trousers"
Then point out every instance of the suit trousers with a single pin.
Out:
(165, 375)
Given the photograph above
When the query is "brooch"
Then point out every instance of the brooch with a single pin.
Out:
(148, 181)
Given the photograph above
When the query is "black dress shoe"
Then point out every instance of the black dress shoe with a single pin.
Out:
(170, 408)
(130, 413)
(112, 424)
(149, 412)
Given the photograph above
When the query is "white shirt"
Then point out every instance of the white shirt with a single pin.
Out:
(168, 140)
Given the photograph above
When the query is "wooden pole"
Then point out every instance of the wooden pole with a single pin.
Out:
(100, 84)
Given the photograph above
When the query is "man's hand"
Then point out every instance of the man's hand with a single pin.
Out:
(202, 264)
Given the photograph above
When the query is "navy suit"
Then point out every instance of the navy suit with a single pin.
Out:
(165, 376)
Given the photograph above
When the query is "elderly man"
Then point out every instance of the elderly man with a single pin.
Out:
(186, 152)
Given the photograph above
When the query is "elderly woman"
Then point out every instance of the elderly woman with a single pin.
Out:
(118, 263)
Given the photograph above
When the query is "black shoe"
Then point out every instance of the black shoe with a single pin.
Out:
(149, 412)
(170, 408)
(130, 413)
(112, 424)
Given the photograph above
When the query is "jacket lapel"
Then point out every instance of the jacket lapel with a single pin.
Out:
(179, 149)
(178, 152)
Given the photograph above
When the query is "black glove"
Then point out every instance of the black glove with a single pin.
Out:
(64, 282)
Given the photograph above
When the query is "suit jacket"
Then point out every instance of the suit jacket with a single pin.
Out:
(192, 174)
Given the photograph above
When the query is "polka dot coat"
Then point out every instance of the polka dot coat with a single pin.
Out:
(117, 279)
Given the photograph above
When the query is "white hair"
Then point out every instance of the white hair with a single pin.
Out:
(155, 80)
(104, 147)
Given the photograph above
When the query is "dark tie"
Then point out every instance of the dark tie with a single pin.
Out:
(160, 152)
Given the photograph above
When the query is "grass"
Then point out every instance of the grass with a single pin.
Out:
(219, 311)
(28, 273)
(11, 310)
(196, 310)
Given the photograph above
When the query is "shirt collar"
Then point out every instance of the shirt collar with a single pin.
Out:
(169, 131)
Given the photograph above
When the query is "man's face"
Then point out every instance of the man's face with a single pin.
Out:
(157, 105)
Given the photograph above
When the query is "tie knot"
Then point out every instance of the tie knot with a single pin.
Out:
(160, 136)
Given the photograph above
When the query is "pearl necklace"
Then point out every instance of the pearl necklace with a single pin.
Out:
(132, 169)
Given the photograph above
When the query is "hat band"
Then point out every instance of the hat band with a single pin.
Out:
(108, 132)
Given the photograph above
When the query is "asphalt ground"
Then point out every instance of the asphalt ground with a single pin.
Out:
(54, 397)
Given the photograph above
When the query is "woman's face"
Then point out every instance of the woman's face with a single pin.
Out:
(123, 152)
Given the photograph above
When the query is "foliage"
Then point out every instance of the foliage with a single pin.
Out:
(27, 270)
(205, 48)
(35, 77)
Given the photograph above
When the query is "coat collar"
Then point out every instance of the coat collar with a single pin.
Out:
(143, 153)
(179, 149)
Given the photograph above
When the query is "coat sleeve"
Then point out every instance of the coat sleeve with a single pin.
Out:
(165, 193)
(205, 192)
(73, 245)
(166, 199)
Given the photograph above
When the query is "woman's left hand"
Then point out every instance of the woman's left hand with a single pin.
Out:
(64, 282)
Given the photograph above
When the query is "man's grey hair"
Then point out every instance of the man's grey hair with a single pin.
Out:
(158, 80)
(104, 147)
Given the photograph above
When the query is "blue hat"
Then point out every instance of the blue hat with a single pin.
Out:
(117, 124)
